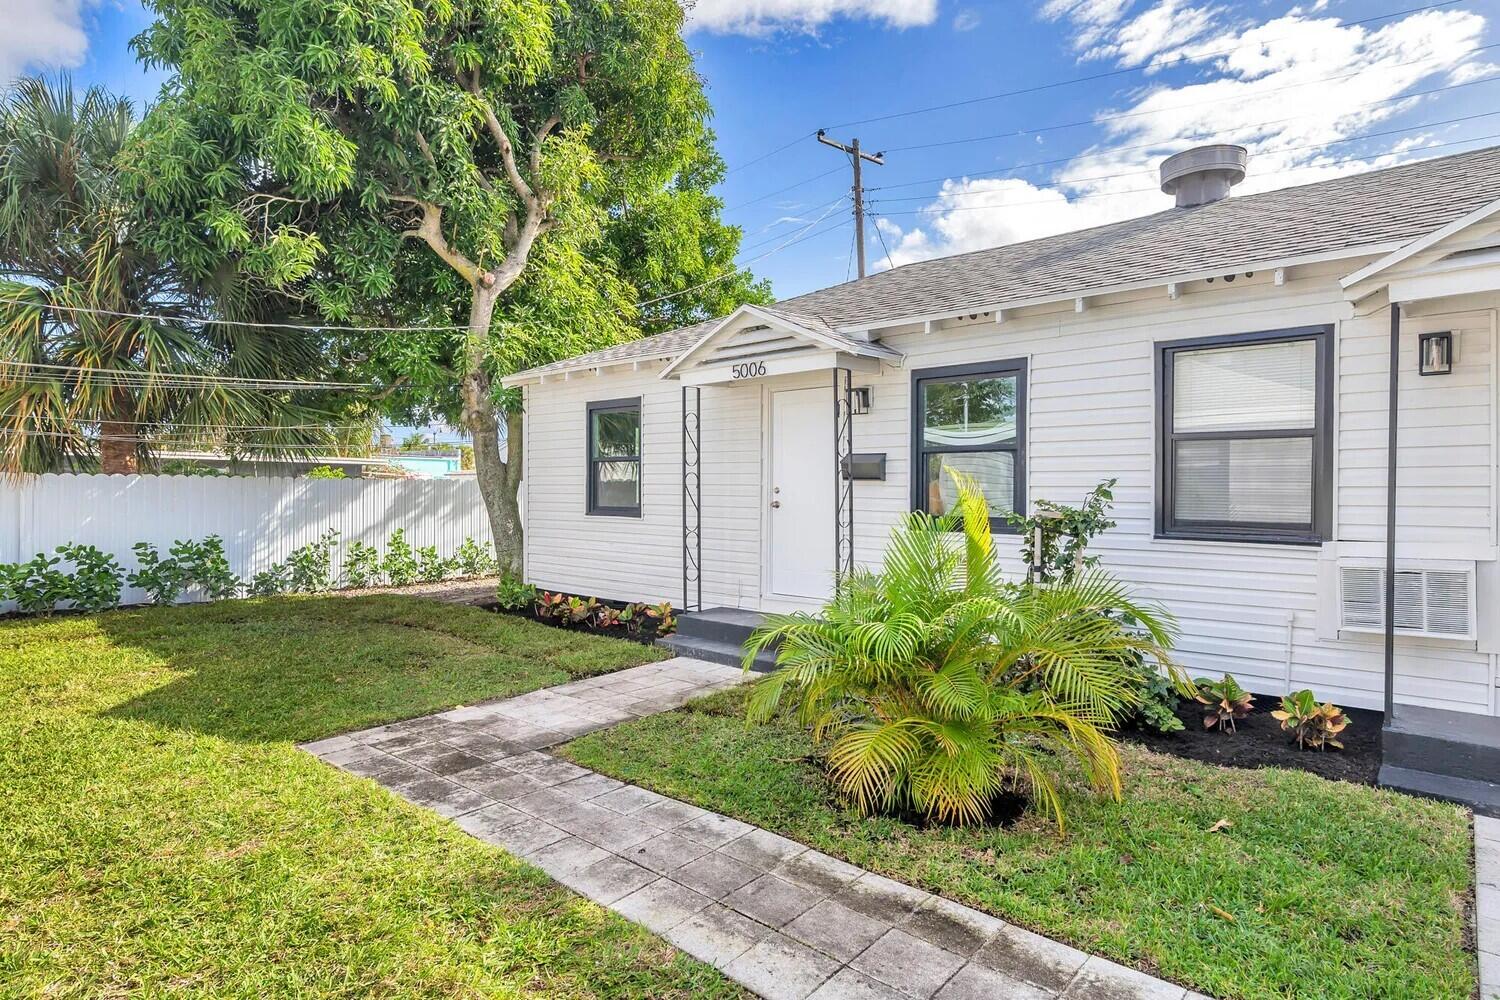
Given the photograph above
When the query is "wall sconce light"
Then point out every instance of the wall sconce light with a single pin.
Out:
(1435, 351)
(861, 396)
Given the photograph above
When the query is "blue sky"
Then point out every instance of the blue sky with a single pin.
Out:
(1298, 83)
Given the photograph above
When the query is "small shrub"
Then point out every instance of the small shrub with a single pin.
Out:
(326, 472)
(205, 564)
(1157, 709)
(1311, 724)
(606, 617)
(1223, 702)
(310, 566)
(579, 609)
(94, 584)
(666, 622)
(400, 565)
(1065, 533)
(161, 579)
(431, 567)
(474, 559)
(513, 593)
(270, 582)
(362, 566)
(550, 605)
(38, 586)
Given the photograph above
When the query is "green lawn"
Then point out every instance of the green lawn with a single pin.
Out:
(1327, 890)
(160, 835)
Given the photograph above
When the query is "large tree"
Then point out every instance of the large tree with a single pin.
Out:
(438, 161)
(88, 376)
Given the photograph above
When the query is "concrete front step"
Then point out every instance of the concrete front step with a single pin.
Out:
(719, 636)
(1481, 796)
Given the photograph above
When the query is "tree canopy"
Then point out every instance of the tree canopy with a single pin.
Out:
(523, 170)
(107, 356)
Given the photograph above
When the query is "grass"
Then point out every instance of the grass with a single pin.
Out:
(1318, 889)
(160, 835)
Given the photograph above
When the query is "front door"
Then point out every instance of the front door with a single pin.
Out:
(801, 494)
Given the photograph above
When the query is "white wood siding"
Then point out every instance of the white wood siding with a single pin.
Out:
(1250, 609)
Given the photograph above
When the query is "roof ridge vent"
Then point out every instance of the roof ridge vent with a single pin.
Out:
(1204, 174)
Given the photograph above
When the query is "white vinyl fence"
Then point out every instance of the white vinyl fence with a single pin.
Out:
(260, 520)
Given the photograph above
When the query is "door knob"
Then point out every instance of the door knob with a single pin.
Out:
(775, 503)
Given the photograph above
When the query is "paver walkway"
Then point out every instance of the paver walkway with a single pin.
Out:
(783, 920)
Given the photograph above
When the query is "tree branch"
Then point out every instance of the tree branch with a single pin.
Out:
(502, 140)
(430, 231)
(541, 136)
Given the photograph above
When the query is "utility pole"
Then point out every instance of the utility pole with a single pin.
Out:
(856, 157)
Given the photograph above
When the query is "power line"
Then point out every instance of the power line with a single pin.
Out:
(166, 445)
(1075, 181)
(1219, 101)
(181, 378)
(783, 190)
(334, 428)
(1148, 190)
(779, 149)
(219, 321)
(1157, 63)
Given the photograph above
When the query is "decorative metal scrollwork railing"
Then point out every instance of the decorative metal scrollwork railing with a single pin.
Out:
(843, 475)
(692, 498)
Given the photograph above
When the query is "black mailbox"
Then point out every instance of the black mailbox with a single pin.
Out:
(868, 465)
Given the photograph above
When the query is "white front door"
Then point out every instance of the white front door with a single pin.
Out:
(801, 494)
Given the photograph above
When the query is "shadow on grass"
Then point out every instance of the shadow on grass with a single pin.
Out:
(303, 668)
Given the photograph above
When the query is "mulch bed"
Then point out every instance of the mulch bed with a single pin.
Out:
(1259, 742)
(645, 634)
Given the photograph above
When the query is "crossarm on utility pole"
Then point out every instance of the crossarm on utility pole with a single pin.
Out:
(857, 158)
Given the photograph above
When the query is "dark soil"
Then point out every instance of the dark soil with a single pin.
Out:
(1259, 742)
(645, 634)
(1003, 810)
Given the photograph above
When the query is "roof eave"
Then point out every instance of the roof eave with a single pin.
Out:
(1159, 281)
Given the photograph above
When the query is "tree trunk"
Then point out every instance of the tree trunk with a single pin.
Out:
(117, 441)
(499, 477)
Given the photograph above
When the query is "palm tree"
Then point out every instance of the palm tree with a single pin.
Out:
(82, 376)
(937, 685)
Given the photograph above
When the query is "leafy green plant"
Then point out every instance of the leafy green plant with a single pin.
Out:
(576, 610)
(937, 686)
(94, 584)
(431, 567)
(1224, 701)
(1055, 537)
(326, 472)
(1157, 709)
(310, 566)
(270, 582)
(512, 593)
(607, 617)
(666, 621)
(204, 564)
(38, 586)
(400, 565)
(474, 559)
(162, 579)
(362, 565)
(1311, 724)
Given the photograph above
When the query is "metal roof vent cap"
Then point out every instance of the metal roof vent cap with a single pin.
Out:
(1204, 174)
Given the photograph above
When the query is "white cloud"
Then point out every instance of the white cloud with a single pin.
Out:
(42, 35)
(761, 17)
(966, 20)
(1290, 89)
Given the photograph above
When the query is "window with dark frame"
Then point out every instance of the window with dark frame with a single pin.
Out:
(614, 457)
(1245, 437)
(972, 419)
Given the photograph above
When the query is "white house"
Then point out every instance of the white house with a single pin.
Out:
(1242, 365)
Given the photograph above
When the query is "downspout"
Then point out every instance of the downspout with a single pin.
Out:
(1390, 519)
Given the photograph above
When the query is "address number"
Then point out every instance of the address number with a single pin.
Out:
(749, 369)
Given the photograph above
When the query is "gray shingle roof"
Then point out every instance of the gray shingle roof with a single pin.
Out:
(1397, 203)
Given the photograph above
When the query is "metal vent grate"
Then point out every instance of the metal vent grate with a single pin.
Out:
(1431, 602)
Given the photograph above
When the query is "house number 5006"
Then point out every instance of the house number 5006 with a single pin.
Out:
(750, 369)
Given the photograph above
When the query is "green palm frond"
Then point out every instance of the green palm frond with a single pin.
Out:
(937, 684)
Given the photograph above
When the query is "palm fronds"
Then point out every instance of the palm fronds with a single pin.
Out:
(936, 684)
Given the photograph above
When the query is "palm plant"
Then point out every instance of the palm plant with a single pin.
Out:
(81, 375)
(937, 685)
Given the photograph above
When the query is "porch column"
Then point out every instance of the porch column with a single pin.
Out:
(692, 498)
(843, 475)
(1390, 516)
